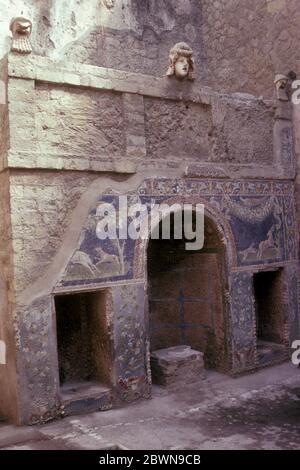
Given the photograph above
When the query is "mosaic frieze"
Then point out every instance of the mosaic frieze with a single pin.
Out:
(260, 215)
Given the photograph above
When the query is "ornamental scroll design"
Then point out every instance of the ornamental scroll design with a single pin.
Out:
(247, 211)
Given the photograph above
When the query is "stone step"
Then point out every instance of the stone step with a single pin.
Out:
(177, 364)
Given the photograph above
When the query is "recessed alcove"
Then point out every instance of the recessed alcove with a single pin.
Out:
(186, 296)
(83, 345)
(270, 323)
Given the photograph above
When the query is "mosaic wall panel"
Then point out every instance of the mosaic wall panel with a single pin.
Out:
(261, 216)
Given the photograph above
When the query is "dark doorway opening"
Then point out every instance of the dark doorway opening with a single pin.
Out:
(84, 350)
(270, 322)
(186, 297)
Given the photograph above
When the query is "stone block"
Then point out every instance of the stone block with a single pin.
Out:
(177, 364)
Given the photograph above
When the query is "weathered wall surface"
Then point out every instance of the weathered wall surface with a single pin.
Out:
(4, 137)
(76, 127)
(177, 130)
(86, 31)
(239, 45)
(231, 131)
(137, 36)
(41, 208)
(247, 43)
(8, 382)
(242, 133)
(79, 123)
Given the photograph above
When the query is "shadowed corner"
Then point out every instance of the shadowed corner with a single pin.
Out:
(2, 353)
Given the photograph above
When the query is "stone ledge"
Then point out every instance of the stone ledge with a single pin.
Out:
(89, 76)
(35, 160)
(205, 171)
(43, 69)
(130, 165)
(237, 171)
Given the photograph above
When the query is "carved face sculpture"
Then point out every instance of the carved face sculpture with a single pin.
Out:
(21, 29)
(281, 82)
(182, 63)
(182, 67)
(109, 3)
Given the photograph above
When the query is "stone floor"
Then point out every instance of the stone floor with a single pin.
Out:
(258, 411)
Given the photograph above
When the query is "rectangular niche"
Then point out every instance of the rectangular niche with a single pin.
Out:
(83, 343)
(270, 320)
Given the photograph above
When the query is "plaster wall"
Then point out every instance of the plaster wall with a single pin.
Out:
(239, 46)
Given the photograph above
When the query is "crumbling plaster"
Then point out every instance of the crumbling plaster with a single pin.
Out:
(239, 45)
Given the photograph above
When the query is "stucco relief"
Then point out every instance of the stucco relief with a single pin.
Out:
(181, 62)
(109, 3)
(281, 84)
(21, 29)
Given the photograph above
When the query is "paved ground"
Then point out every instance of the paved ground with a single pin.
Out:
(260, 411)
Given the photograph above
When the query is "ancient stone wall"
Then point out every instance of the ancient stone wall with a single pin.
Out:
(142, 121)
(41, 208)
(247, 43)
(239, 45)
(166, 124)
(4, 138)
(75, 134)
(64, 127)
(79, 123)
(242, 133)
(8, 384)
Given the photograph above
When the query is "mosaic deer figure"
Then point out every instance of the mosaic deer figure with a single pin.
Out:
(266, 244)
